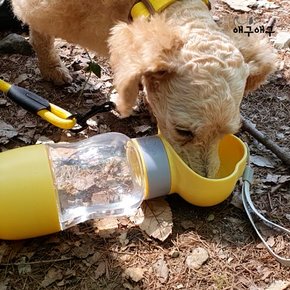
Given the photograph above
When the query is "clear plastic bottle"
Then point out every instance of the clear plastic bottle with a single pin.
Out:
(94, 179)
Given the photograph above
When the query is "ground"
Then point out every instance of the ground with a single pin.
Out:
(84, 257)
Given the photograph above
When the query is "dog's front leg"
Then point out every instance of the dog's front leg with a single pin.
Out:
(50, 64)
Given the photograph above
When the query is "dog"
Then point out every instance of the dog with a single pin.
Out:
(194, 73)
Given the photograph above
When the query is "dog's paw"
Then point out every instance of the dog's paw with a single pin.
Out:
(122, 107)
(125, 114)
(59, 75)
(123, 110)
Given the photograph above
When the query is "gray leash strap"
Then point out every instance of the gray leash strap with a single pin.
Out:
(251, 211)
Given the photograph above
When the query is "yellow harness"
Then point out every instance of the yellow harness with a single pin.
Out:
(150, 7)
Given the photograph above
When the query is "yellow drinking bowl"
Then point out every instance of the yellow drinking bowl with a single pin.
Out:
(162, 171)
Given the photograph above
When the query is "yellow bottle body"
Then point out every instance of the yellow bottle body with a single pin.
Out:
(28, 197)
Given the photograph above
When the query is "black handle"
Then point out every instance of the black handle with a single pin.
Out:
(27, 100)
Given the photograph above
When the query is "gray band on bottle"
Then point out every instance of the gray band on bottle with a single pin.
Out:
(157, 165)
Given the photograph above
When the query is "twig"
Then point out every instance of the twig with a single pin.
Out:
(271, 23)
(275, 188)
(270, 200)
(88, 78)
(277, 150)
(36, 262)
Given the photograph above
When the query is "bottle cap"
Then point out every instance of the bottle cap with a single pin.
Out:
(149, 161)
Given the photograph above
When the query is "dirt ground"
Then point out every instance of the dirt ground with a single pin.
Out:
(84, 257)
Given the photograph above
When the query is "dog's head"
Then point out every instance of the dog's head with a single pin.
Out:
(194, 87)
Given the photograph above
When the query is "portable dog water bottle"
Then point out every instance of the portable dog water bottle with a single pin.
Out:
(48, 188)
(163, 171)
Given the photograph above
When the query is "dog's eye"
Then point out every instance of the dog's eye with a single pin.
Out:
(184, 133)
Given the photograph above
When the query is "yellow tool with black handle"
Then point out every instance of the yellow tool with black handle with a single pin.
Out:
(38, 105)
(50, 112)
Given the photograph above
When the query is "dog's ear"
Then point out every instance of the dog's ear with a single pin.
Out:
(261, 60)
(260, 57)
(142, 48)
(257, 53)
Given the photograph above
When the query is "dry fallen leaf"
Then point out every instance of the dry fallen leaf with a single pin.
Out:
(240, 5)
(262, 161)
(158, 219)
(4, 284)
(284, 179)
(142, 129)
(24, 268)
(106, 227)
(123, 239)
(267, 4)
(52, 275)
(6, 132)
(279, 285)
(188, 224)
(272, 178)
(138, 217)
(271, 241)
(82, 251)
(247, 282)
(4, 248)
(107, 223)
(21, 78)
(266, 272)
(161, 269)
(94, 258)
(101, 270)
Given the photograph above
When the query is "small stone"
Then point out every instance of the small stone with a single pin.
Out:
(210, 217)
(282, 40)
(187, 224)
(176, 254)
(15, 43)
(216, 18)
(44, 140)
(3, 102)
(135, 273)
(197, 258)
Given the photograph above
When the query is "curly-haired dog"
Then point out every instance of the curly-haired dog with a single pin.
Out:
(194, 74)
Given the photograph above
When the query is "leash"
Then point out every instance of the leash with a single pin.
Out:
(253, 214)
(82, 119)
(49, 112)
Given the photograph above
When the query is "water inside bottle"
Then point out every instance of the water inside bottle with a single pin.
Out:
(94, 180)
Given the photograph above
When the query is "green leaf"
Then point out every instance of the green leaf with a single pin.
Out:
(94, 68)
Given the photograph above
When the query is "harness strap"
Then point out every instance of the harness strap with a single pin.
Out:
(151, 7)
